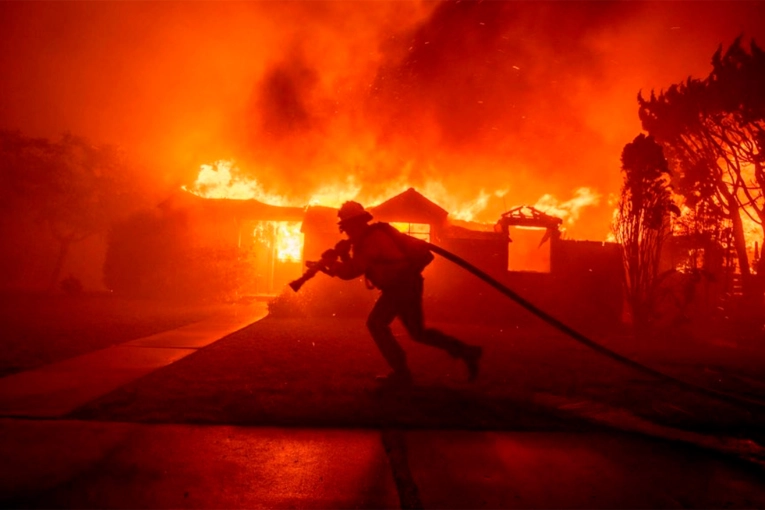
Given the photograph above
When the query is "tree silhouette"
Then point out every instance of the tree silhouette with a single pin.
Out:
(713, 133)
(72, 187)
(640, 224)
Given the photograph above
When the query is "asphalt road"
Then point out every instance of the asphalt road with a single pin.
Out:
(74, 464)
(287, 414)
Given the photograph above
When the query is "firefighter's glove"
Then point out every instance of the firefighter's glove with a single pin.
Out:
(343, 250)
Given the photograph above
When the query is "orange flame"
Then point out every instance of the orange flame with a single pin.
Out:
(284, 237)
(570, 209)
(223, 179)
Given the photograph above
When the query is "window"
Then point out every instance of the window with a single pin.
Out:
(525, 253)
(418, 230)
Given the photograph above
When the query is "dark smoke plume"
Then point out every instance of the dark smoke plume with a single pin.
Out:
(481, 99)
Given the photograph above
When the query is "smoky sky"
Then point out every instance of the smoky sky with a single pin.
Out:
(524, 97)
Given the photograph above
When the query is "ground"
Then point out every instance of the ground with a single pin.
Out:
(42, 329)
(321, 372)
(541, 402)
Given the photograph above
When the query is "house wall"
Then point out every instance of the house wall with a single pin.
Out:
(583, 288)
(588, 277)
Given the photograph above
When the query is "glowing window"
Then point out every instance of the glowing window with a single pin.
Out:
(526, 252)
(418, 230)
(283, 237)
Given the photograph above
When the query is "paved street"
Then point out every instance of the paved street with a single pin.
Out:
(72, 464)
(54, 390)
(50, 460)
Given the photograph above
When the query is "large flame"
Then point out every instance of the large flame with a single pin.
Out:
(283, 237)
(568, 210)
(223, 179)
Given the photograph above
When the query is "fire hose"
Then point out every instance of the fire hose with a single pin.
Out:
(582, 339)
(746, 403)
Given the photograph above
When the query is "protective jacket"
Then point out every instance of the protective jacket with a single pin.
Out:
(378, 255)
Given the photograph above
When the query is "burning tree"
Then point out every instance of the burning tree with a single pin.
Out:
(713, 132)
(640, 223)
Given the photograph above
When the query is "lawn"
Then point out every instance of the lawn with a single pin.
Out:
(39, 329)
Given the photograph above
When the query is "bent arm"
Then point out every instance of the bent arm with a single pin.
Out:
(346, 269)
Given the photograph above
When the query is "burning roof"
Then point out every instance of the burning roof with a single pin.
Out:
(242, 210)
(410, 206)
(528, 216)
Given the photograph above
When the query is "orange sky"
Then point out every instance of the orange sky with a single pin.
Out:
(529, 98)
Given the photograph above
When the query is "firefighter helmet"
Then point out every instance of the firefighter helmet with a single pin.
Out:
(353, 211)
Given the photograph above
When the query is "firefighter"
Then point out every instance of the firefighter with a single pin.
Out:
(393, 262)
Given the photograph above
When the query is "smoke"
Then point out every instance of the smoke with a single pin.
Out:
(282, 103)
(499, 89)
(533, 99)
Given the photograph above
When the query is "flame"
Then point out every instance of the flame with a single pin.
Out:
(289, 242)
(461, 210)
(335, 195)
(570, 209)
(284, 237)
(473, 209)
(223, 179)
(753, 231)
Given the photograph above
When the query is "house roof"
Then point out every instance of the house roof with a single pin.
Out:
(409, 206)
(319, 218)
(246, 210)
(462, 232)
(528, 216)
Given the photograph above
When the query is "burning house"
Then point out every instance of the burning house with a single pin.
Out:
(205, 248)
(267, 234)
(525, 249)
(579, 281)
(497, 102)
(410, 212)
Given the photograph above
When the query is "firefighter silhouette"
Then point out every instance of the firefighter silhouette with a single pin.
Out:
(392, 262)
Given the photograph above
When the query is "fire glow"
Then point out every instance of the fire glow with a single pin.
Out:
(224, 180)
(284, 237)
